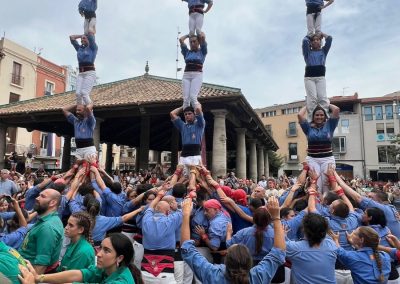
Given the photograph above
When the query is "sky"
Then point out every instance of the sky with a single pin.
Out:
(252, 45)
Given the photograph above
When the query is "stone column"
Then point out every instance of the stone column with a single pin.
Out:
(260, 160)
(3, 145)
(174, 148)
(241, 153)
(66, 154)
(253, 160)
(109, 157)
(218, 166)
(96, 134)
(144, 142)
(158, 160)
(266, 163)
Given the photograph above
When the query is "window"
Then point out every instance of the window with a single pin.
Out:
(44, 141)
(390, 131)
(380, 128)
(14, 98)
(345, 123)
(49, 89)
(293, 152)
(292, 131)
(386, 154)
(389, 111)
(378, 113)
(339, 144)
(16, 74)
(368, 113)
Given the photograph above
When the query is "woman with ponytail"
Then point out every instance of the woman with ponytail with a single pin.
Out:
(259, 239)
(366, 264)
(80, 251)
(113, 266)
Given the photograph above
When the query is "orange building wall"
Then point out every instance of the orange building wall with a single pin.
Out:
(48, 71)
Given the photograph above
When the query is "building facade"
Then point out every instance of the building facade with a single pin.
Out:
(362, 142)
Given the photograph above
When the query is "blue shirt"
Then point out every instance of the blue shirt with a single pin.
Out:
(389, 211)
(30, 197)
(311, 265)
(191, 56)
(363, 265)
(343, 225)
(7, 187)
(159, 229)
(217, 229)
(113, 203)
(237, 222)
(325, 133)
(198, 218)
(86, 54)
(382, 232)
(315, 2)
(103, 224)
(192, 3)
(215, 273)
(15, 239)
(83, 128)
(294, 225)
(247, 237)
(191, 133)
(87, 6)
(316, 57)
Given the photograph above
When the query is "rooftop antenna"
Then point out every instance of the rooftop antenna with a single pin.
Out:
(177, 69)
(343, 90)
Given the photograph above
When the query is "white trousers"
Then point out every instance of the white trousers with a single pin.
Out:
(189, 161)
(313, 23)
(195, 23)
(89, 26)
(85, 153)
(343, 277)
(84, 85)
(191, 85)
(316, 94)
(162, 278)
(320, 165)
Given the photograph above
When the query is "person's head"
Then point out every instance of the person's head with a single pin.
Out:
(258, 192)
(79, 224)
(92, 205)
(179, 190)
(84, 40)
(319, 115)
(47, 201)
(255, 203)
(194, 42)
(261, 219)
(3, 205)
(300, 205)
(339, 208)
(315, 228)
(80, 111)
(271, 183)
(4, 174)
(367, 237)
(116, 251)
(188, 112)
(171, 201)
(163, 207)
(211, 208)
(287, 213)
(239, 196)
(263, 177)
(23, 185)
(238, 262)
(116, 187)
(316, 41)
(378, 195)
(374, 216)
(131, 193)
(148, 197)
(328, 197)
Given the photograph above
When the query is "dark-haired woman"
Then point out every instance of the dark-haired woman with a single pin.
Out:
(259, 239)
(80, 252)
(113, 266)
(319, 135)
(313, 259)
(238, 267)
(367, 265)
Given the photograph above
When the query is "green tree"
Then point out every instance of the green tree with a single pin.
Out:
(276, 162)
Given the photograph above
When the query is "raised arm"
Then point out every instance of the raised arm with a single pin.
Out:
(348, 190)
(68, 110)
(21, 219)
(209, 5)
(302, 115)
(335, 111)
(328, 3)
(274, 211)
(175, 113)
(182, 39)
(132, 214)
(187, 206)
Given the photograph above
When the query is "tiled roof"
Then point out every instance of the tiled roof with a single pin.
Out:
(146, 89)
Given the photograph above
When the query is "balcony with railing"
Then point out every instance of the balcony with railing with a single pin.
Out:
(291, 132)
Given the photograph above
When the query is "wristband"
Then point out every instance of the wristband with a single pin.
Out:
(340, 192)
(306, 168)
(275, 219)
(204, 237)
(332, 178)
(41, 278)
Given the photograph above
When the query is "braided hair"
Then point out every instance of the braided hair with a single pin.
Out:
(85, 221)
(371, 239)
(238, 262)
